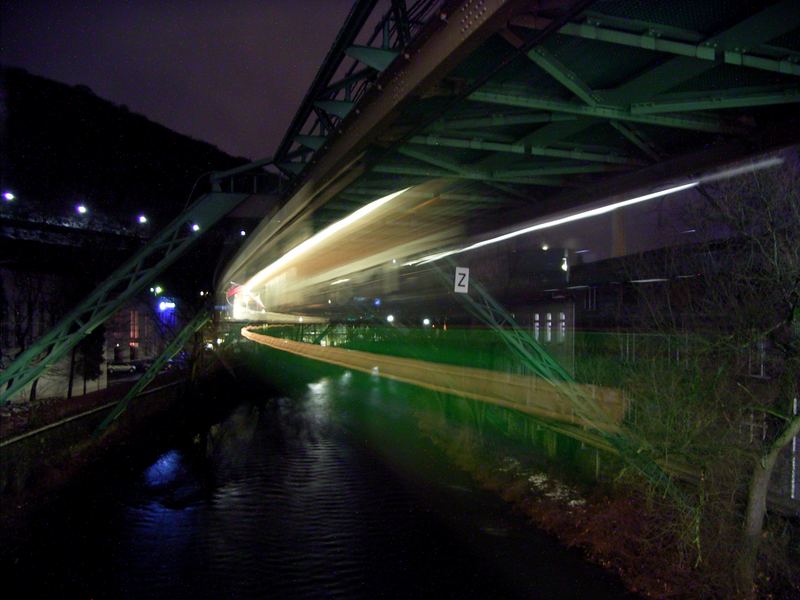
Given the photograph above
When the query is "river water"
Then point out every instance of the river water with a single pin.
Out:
(328, 491)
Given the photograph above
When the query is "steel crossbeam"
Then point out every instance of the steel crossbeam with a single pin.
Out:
(124, 283)
(174, 346)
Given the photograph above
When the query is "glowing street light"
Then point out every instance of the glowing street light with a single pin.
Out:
(81, 208)
(390, 318)
(8, 196)
(158, 289)
(545, 247)
(426, 321)
(195, 227)
(142, 219)
(242, 233)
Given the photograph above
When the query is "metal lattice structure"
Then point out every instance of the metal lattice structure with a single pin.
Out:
(173, 347)
(123, 284)
(525, 106)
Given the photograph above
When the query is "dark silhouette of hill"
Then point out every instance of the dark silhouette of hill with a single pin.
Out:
(63, 144)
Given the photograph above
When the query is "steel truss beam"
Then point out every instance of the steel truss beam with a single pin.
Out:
(474, 176)
(749, 33)
(498, 120)
(512, 148)
(716, 101)
(781, 17)
(570, 80)
(174, 346)
(122, 285)
(679, 121)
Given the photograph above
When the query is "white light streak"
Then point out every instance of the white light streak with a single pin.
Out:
(340, 281)
(586, 214)
(264, 275)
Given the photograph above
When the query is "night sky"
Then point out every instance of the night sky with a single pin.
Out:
(229, 73)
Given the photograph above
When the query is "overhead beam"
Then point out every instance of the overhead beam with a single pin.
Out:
(377, 58)
(546, 61)
(679, 121)
(783, 66)
(499, 120)
(749, 33)
(459, 171)
(514, 148)
(474, 176)
(340, 108)
(314, 142)
(780, 18)
(717, 101)
(342, 83)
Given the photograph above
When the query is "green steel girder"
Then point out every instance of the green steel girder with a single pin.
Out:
(487, 135)
(716, 101)
(554, 170)
(377, 58)
(751, 32)
(471, 175)
(779, 18)
(348, 81)
(173, 347)
(498, 120)
(314, 142)
(525, 149)
(638, 139)
(339, 108)
(566, 77)
(122, 285)
(785, 66)
(561, 73)
(679, 121)
(292, 167)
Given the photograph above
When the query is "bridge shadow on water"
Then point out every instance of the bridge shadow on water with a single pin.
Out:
(323, 486)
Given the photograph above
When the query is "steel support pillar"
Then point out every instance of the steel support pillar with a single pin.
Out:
(178, 342)
(123, 284)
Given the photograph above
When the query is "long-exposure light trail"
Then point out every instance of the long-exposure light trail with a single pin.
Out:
(555, 222)
(267, 272)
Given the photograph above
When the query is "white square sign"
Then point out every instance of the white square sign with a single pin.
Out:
(462, 280)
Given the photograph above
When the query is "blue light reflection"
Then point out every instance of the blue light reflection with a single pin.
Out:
(165, 470)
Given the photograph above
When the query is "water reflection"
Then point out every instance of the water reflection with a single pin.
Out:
(327, 492)
(164, 470)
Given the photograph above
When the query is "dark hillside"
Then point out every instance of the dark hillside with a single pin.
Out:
(63, 144)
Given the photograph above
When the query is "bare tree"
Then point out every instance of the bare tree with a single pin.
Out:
(753, 295)
(741, 310)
